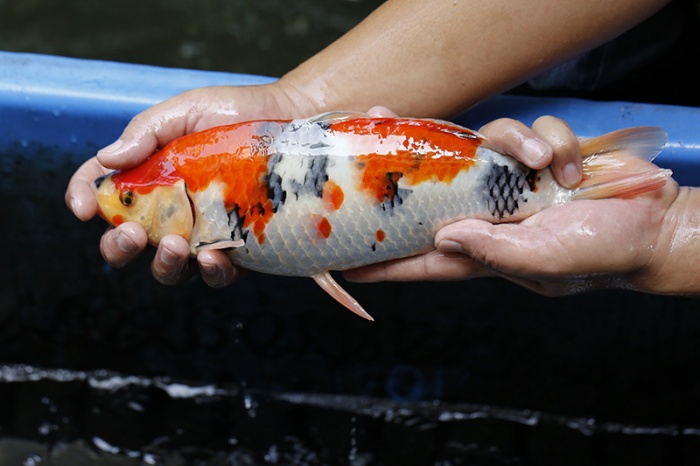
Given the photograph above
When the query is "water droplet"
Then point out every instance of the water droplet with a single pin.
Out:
(149, 458)
(135, 406)
(33, 460)
(273, 455)
(104, 446)
(250, 405)
(45, 428)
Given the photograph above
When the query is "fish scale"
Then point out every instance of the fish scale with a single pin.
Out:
(340, 191)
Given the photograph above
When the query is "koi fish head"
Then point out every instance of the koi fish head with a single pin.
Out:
(161, 209)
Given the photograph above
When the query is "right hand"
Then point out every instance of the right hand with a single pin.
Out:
(188, 112)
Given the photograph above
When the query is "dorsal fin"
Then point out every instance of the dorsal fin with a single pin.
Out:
(334, 117)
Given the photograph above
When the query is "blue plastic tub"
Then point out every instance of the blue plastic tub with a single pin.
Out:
(107, 364)
(74, 104)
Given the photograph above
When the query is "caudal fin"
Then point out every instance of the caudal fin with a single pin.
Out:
(618, 164)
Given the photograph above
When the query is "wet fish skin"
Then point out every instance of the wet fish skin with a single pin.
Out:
(338, 191)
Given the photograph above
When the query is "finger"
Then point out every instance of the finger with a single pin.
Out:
(567, 162)
(502, 256)
(381, 112)
(434, 265)
(79, 196)
(121, 245)
(510, 249)
(217, 269)
(153, 128)
(516, 139)
(142, 136)
(170, 265)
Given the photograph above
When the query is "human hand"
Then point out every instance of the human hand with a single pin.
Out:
(567, 249)
(188, 112)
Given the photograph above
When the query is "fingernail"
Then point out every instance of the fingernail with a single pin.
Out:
(168, 257)
(125, 244)
(76, 206)
(571, 174)
(534, 149)
(114, 147)
(447, 245)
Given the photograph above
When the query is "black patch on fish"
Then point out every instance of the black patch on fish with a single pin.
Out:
(98, 182)
(257, 210)
(393, 195)
(532, 178)
(314, 177)
(274, 191)
(273, 180)
(235, 222)
(374, 247)
(324, 125)
(503, 189)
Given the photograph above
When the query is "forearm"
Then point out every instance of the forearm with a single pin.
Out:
(675, 264)
(437, 58)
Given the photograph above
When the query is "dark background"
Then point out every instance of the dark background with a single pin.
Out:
(478, 372)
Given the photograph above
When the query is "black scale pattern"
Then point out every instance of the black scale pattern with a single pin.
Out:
(505, 188)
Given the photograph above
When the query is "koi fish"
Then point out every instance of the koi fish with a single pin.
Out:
(340, 190)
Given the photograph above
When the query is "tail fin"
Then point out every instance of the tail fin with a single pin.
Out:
(618, 164)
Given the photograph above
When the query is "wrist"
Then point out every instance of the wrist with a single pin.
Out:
(304, 98)
(674, 266)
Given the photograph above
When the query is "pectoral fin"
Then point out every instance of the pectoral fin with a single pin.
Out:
(211, 223)
(223, 244)
(331, 287)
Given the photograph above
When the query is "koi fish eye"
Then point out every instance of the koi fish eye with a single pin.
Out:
(127, 198)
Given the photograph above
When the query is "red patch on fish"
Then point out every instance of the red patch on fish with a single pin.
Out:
(416, 151)
(380, 235)
(333, 194)
(324, 227)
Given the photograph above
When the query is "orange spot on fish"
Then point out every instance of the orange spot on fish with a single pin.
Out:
(380, 235)
(259, 228)
(333, 194)
(416, 151)
(324, 227)
(382, 184)
(117, 220)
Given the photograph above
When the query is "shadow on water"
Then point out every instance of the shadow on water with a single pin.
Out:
(105, 366)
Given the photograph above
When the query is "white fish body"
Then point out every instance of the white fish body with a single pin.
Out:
(339, 191)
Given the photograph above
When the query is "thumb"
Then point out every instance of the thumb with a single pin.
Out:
(142, 136)
(151, 129)
(506, 248)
